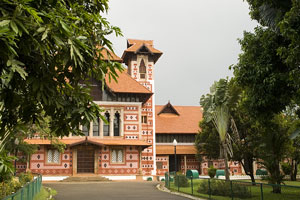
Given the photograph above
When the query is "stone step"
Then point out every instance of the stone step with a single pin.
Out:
(85, 179)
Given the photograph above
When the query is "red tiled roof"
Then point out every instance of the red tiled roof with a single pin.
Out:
(46, 141)
(134, 46)
(134, 41)
(108, 142)
(126, 84)
(108, 55)
(186, 122)
(180, 149)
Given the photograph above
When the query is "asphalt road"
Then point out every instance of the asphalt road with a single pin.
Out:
(110, 191)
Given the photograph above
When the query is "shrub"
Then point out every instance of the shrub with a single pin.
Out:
(212, 172)
(149, 179)
(286, 168)
(222, 188)
(25, 178)
(9, 187)
(181, 180)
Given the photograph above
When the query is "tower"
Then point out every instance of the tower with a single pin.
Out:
(140, 57)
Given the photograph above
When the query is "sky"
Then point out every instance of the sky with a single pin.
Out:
(198, 39)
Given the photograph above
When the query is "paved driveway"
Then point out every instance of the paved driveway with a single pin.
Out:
(110, 191)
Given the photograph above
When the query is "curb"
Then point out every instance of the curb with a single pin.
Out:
(164, 189)
(49, 190)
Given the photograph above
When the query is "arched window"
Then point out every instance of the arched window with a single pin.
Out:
(142, 70)
(117, 124)
(106, 127)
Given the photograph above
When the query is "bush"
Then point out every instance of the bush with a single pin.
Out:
(182, 180)
(149, 179)
(222, 188)
(25, 178)
(286, 168)
(9, 187)
(212, 172)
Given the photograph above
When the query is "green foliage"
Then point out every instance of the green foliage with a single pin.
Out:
(207, 141)
(47, 48)
(216, 109)
(223, 188)
(275, 147)
(25, 177)
(286, 168)
(181, 180)
(149, 179)
(212, 172)
(45, 193)
(268, 72)
(8, 187)
(6, 166)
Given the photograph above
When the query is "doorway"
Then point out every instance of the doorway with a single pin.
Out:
(172, 163)
(85, 159)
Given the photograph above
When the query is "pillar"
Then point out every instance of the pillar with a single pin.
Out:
(111, 122)
(140, 159)
(74, 161)
(122, 122)
(184, 164)
(101, 123)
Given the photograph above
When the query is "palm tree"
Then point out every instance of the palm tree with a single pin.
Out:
(216, 110)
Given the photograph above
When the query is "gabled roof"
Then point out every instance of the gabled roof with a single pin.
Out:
(168, 108)
(187, 120)
(134, 46)
(126, 84)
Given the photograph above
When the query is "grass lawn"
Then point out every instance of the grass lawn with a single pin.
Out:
(287, 193)
(45, 193)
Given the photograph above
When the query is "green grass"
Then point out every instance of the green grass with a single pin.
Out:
(45, 193)
(287, 193)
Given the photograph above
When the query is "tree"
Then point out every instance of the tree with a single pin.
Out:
(268, 72)
(47, 48)
(275, 147)
(293, 132)
(215, 107)
(243, 132)
(207, 141)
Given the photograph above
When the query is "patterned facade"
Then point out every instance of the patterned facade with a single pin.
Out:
(138, 138)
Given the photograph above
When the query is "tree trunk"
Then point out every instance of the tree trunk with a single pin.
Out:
(226, 161)
(275, 176)
(248, 168)
(294, 170)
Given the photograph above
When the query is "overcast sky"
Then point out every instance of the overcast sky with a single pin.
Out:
(198, 39)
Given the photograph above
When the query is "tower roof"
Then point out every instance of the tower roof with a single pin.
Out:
(135, 46)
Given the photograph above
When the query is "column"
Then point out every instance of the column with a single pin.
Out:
(184, 164)
(91, 129)
(111, 122)
(74, 161)
(140, 122)
(140, 160)
(96, 159)
(122, 122)
(101, 128)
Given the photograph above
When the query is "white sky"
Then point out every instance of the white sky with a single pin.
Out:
(198, 39)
